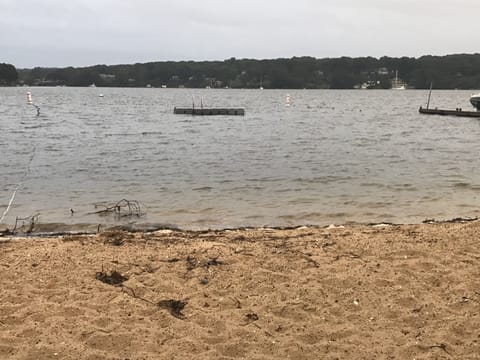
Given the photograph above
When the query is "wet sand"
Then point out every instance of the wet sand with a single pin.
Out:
(354, 292)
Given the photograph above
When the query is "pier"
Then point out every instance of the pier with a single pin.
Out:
(456, 112)
(209, 111)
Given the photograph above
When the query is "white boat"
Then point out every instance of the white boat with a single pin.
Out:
(475, 100)
(398, 84)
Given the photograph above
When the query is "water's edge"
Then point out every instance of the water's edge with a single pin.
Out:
(56, 229)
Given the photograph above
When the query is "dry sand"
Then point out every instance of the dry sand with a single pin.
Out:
(359, 292)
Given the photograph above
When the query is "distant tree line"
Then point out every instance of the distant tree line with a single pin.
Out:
(8, 74)
(461, 71)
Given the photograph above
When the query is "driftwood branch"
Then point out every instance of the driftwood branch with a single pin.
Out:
(122, 208)
(27, 223)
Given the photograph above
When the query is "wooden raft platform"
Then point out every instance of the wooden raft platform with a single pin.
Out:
(209, 111)
(458, 112)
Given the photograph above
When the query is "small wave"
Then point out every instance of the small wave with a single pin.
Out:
(36, 126)
(163, 159)
(281, 191)
(402, 187)
(253, 217)
(203, 221)
(247, 187)
(300, 216)
(395, 160)
(179, 211)
(151, 133)
(323, 179)
(372, 184)
(336, 215)
(372, 215)
(468, 206)
(288, 217)
(265, 179)
(377, 204)
(192, 211)
(301, 201)
(429, 199)
(204, 188)
(56, 136)
(462, 185)
(52, 149)
(119, 134)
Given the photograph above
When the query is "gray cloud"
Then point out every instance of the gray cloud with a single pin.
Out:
(86, 32)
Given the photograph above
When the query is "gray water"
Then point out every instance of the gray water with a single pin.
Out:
(331, 157)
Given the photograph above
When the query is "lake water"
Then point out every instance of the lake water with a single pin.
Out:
(331, 157)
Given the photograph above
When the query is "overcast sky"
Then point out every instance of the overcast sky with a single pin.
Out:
(89, 32)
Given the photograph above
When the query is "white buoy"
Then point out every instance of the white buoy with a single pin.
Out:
(30, 102)
(101, 95)
(287, 100)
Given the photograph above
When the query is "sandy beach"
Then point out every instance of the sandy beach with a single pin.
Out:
(353, 292)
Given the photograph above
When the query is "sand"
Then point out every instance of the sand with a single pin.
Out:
(354, 292)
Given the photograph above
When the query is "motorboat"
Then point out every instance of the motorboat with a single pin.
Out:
(475, 101)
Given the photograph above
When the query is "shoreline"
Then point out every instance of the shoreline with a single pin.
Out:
(63, 229)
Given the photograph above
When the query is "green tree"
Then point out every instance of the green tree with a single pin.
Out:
(8, 74)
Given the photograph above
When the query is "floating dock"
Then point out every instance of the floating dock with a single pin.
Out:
(456, 112)
(209, 111)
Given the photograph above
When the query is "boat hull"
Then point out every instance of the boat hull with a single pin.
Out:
(475, 101)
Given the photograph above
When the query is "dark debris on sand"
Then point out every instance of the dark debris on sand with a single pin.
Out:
(114, 278)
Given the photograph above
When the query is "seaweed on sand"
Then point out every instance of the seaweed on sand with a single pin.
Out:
(114, 278)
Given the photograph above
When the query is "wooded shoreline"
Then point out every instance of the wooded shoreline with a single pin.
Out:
(457, 71)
